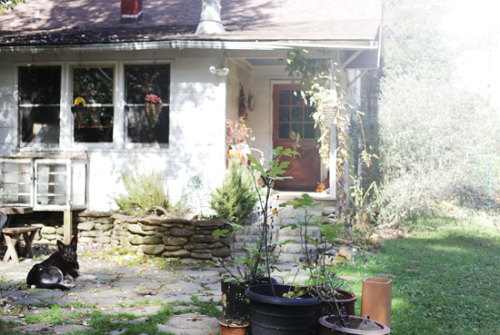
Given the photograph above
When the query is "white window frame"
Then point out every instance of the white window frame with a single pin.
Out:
(23, 146)
(135, 145)
(66, 122)
(70, 74)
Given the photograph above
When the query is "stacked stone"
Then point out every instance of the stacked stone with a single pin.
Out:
(172, 238)
(294, 248)
(48, 234)
(94, 227)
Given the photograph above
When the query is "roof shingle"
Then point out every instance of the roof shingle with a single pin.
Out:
(97, 21)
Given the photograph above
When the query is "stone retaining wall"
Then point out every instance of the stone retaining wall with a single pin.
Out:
(170, 238)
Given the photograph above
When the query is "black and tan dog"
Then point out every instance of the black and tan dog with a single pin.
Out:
(52, 273)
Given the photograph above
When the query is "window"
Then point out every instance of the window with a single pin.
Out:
(147, 103)
(39, 104)
(93, 104)
(294, 116)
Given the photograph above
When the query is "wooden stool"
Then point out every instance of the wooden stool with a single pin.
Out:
(13, 236)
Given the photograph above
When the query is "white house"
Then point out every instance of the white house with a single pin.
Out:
(76, 79)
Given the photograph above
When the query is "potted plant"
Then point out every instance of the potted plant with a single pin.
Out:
(233, 326)
(323, 282)
(276, 309)
(234, 201)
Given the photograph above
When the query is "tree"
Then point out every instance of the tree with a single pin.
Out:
(437, 140)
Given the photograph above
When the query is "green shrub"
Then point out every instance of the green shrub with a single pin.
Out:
(144, 192)
(237, 196)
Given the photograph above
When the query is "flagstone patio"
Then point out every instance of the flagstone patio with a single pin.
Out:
(111, 288)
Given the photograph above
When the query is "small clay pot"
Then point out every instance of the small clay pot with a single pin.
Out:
(230, 329)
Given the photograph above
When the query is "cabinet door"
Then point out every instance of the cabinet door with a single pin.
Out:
(52, 184)
(16, 182)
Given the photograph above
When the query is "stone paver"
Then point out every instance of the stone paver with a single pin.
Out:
(191, 324)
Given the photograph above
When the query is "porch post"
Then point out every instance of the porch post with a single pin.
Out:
(333, 160)
(68, 225)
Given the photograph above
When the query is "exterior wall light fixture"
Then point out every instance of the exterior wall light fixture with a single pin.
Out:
(219, 71)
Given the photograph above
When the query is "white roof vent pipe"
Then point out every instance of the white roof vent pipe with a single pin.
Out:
(210, 21)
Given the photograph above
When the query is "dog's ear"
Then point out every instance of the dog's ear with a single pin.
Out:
(60, 245)
(73, 242)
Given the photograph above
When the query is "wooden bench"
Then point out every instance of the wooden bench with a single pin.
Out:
(13, 235)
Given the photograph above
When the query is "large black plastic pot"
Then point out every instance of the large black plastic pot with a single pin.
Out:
(234, 302)
(275, 315)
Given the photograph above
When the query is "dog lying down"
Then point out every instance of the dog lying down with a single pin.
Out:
(57, 271)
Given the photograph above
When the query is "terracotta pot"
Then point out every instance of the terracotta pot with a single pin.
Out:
(229, 329)
(346, 304)
(329, 327)
(376, 299)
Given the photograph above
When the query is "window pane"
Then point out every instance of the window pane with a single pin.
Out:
(308, 130)
(308, 114)
(94, 85)
(147, 96)
(296, 98)
(284, 98)
(297, 114)
(284, 130)
(39, 124)
(144, 127)
(284, 114)
(93, 124)
(39, 97)
(297, 128)
(141, 80)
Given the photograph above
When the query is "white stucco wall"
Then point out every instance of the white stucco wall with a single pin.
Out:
(197, 128)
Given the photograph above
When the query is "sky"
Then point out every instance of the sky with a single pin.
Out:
(474, 27)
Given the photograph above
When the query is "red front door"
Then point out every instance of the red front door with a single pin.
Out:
(293, 127)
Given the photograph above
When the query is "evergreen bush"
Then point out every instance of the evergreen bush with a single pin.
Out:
(237, 197)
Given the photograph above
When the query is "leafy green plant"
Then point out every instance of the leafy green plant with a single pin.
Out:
(237, 197)
(322, 282)
(276, 171)
(144, 194)
(259, 258)
(362, 217)
(8, 5)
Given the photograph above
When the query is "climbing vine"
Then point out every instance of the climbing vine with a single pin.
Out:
(321, 82)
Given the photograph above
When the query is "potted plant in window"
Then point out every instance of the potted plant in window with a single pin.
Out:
(153, 108)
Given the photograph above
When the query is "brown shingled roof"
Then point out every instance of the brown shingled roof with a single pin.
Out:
(98, 21)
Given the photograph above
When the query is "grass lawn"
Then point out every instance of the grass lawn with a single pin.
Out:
(446, 275)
